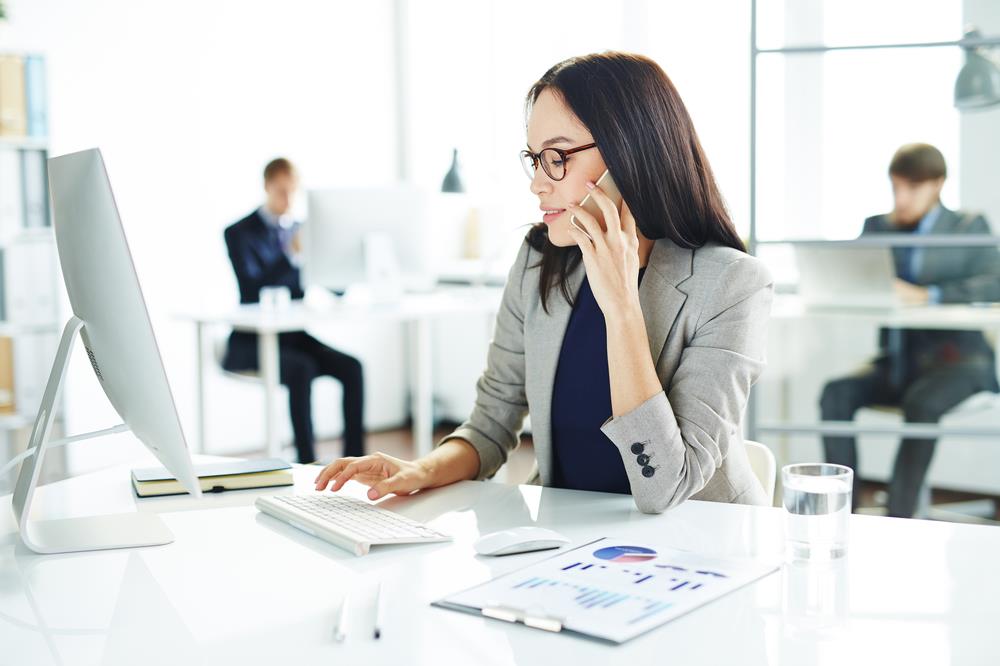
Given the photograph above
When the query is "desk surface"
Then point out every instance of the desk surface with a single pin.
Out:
(298, 315)
(239, 587)
(951, 316)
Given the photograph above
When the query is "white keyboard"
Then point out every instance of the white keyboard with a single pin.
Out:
(350, 523)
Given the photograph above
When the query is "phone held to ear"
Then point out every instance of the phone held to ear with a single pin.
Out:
(608, 186)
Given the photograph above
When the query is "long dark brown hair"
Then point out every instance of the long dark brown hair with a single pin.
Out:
(649, 145)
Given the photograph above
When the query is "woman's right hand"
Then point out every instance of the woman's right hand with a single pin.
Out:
(383, 473)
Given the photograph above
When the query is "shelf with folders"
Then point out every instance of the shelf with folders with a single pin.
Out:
(29, 274)
(821, 202)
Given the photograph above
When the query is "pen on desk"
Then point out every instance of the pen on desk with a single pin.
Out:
(340, 631)
(379, 612)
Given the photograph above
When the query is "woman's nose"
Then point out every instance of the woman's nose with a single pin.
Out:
(540, 183)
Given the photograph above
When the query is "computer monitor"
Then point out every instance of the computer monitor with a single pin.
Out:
(842, 274)
(349, 232)
(110, 315)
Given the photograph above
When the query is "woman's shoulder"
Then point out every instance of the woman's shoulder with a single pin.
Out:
(527, 259)
(715, 277)
(714, 261)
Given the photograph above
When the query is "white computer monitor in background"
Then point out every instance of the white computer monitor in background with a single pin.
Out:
(110, 315)
(842, 274)
(364, 235)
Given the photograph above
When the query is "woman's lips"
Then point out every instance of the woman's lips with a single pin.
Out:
(549, 218)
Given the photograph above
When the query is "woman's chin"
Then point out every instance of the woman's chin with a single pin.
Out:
(559, 234)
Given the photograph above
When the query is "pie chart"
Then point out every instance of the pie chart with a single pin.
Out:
(625, 554)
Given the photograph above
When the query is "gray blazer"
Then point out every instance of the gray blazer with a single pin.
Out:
(706, 313)
(963, 274)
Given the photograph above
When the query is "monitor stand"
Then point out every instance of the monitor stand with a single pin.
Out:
(67, 535)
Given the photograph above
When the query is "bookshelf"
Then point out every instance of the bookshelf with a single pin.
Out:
(29, 265)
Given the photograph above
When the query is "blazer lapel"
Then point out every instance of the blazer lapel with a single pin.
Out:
(659, 297)
(545, 335)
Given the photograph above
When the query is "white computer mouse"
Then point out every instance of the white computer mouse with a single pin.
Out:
(519, 540)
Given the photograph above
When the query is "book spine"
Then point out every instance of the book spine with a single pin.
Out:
(36, 96)
(13, 111)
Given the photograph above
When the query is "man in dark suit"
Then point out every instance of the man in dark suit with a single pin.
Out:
(263, 248)
(925, 372)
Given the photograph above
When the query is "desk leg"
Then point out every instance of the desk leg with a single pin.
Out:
(199, 445)
(267, 351)
(422, 385)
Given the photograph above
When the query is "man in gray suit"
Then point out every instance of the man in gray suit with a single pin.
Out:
(925, 372)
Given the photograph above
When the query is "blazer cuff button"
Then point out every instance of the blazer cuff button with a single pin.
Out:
(642, 459)
(637, 448)
(648, 471)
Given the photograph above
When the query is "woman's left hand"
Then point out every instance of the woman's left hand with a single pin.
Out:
(610, 256)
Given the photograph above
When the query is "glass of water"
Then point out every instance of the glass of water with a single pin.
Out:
(817, 499)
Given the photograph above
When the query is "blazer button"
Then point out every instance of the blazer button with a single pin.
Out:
(637, 448)
(642, 459)
(648, 471)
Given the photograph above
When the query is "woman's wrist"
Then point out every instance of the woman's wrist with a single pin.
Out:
(455, 460)
(625, 316)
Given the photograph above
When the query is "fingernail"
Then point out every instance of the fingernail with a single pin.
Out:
(372, 493)
(591, 185)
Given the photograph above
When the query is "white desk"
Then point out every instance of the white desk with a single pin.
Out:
(947, 317)
(238, 587)
(955, 316)
(415, 310)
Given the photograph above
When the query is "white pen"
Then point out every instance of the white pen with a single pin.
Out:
(340, 632)
(379, 606)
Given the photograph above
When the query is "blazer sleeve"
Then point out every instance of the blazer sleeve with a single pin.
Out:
(494, 427)
(983, 270)
(686, 429)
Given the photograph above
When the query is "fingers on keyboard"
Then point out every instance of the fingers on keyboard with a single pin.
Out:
(352, 468)
(330, 471)
(394, 484)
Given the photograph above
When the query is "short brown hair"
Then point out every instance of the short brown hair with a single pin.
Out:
(279, 166)
(918, 162)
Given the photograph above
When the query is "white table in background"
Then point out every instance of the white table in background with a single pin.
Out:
(946, 316)
(943, 317)
(417, 311)
(238, 587)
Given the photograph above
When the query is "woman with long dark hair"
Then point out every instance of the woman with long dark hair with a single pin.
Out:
(633, 343)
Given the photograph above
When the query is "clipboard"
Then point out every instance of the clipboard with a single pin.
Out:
(608, 589)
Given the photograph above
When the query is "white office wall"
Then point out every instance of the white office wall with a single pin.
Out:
(467, 86)
(188, 100)
(829, 124)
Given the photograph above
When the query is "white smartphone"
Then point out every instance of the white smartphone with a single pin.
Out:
(608, 186)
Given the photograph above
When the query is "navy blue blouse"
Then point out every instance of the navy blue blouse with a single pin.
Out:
(583, 457)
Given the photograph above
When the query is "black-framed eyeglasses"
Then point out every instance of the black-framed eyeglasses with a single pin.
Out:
(553, 160)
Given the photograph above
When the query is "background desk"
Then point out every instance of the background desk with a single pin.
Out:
(238, 587)
(954, 316)
(809, 347)
(945, 317)
(417, 311)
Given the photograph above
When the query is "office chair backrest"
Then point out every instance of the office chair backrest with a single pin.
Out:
(764, 466)
(219, 346)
